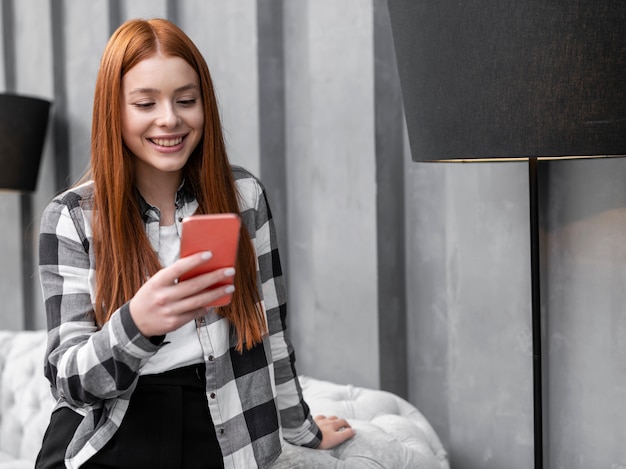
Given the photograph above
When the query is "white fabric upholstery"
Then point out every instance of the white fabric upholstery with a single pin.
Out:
(25, 399)
(390, 432)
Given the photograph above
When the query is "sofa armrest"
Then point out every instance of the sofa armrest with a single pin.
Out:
(390, 432)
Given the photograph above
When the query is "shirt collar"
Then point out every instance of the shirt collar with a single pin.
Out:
(151, 213)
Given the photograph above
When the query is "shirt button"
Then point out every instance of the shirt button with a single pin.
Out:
(212, 395)
(221, 431)
(180, 219)
(211, 358)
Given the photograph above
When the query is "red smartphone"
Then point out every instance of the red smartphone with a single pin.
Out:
(218, 233)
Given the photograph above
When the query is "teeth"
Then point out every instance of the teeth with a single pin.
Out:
(167, 142)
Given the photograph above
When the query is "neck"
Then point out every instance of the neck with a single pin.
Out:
(160, 190)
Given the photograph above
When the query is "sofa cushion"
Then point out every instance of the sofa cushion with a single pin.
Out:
(25, 398)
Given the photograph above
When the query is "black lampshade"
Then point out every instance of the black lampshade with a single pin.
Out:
(511, 78)
(23, 124)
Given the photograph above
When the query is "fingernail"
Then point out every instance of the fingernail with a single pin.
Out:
(230, 272)
(206, 255)
(229, 289)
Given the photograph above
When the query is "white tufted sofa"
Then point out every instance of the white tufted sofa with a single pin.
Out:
(390, 432)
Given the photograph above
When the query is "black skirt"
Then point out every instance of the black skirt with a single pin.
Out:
(167, 425)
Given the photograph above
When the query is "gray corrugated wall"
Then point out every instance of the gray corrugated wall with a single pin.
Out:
(410, 277)
(288, 116)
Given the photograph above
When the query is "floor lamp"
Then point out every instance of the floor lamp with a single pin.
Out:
(23, 125)
(500, 80)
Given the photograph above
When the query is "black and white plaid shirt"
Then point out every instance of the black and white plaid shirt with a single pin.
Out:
(254, 398)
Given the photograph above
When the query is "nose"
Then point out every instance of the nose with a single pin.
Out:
(168, 117)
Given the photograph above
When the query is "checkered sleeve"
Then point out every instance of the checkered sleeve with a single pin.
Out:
(298, 426)
(84, 364)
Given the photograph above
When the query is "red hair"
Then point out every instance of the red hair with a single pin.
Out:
(123, 266)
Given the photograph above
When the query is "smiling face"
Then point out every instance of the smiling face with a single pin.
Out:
(162, 114)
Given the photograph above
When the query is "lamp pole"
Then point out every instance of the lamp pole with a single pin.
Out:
(535, 272)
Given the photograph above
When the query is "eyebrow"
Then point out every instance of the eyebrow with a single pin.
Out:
(190, 86)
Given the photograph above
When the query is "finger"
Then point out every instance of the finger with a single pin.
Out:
(338, 424)
(200, 300)
(344, 424)
(171, 274)
(344, 435)
(330, 419)
(332, 437)
(202, 282)
(333, 422)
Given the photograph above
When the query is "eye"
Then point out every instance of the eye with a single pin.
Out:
(143, 105)
(187, 102)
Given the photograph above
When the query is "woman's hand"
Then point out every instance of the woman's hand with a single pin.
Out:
(334, 431)
(163, 304)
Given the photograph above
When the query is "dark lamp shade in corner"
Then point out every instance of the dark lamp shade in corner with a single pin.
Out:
(23, 125)
(510, 78)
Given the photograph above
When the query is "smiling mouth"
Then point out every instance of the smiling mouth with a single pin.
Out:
(167, 142)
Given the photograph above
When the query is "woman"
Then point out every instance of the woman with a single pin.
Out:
(145, 375)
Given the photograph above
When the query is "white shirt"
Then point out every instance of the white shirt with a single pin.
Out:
(182, 345)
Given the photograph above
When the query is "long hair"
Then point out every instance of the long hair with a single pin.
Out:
(123, 266)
